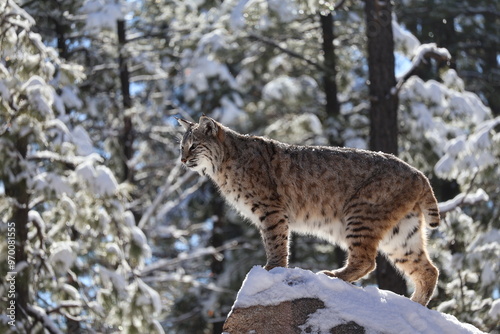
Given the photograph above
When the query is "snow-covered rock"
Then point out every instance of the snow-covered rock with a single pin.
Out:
(286, 300)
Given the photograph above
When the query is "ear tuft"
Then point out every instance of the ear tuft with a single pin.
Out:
(185, 124)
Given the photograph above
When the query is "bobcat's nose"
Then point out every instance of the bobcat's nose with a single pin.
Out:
(183, 160)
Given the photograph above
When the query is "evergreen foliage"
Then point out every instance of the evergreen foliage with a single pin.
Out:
(115, 236)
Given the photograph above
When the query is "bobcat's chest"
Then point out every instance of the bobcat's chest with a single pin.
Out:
(241, 199)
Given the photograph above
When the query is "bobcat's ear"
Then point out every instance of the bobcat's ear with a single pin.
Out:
(208, 125)
(185, 124)
(211, 127)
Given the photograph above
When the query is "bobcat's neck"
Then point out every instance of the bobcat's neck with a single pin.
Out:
(237, 153)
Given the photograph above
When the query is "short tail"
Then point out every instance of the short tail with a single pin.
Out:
(429, 207)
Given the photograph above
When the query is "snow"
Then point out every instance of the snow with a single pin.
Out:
(71, 291)
(377, 310)
(70, 98)
(452, 80)
(105, 181)
(199, 73)
(114, 249)
(15, 9)
(455, 146)
(229, 112)
(140, 240)
(112, 279)
(471, 198)
(298, 129)
(216, 40)
(422, 50)
(237, 19)
(283, 87)
(404, 39)
(128, 218)
(102, 14)
(490, 238)
(100, 179)
(62, 256)
(472, 153)
(488, 276)
(285, 9)
(494, 311)
(468, 104)
(82, 141)
(53, 182)
(4, 91)
(104, 219)
(57, 124)
(34, 216)
(149, 297)
(40, 95)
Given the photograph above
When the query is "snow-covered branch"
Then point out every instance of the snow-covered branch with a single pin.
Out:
(65, 304)
(70, 161)
(422, 54)
(162, 264)
(463, 198)
(291, 53)
(151, 77)
(39, 314)
(165, 191)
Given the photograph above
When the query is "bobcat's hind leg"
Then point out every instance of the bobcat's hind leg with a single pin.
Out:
(422, 272)
(360, 261)
(405, 247)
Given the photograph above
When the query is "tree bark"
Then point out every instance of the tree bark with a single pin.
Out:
(19, 192)
(216, 241)
(127, 135)
(329, 84)
(491, 68)
(383, 110)
(61, 39)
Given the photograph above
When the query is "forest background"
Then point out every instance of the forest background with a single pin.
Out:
(103, 230)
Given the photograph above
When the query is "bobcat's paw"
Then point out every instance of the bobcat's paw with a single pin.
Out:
(328, 273)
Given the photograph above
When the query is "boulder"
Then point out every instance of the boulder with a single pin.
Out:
(289, 301)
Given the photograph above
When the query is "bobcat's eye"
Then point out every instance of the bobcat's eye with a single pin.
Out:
(192, 147)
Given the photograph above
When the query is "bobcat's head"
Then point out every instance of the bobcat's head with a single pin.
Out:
(201, 148)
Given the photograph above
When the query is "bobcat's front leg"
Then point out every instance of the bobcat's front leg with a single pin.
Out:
(275, 236)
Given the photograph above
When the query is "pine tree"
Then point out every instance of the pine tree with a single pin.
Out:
(77, 245)
(450, 134)
(259, 67)
(469, 30)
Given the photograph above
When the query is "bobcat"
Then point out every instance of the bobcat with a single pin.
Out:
(360, 200)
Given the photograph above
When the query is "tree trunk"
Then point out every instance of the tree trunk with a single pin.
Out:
(127, 135)
(383, 111)
(61, 39)
(329, 84)
(217, 240)
(19, 192)
(491, 68)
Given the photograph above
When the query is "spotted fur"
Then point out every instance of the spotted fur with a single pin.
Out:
(361, 200)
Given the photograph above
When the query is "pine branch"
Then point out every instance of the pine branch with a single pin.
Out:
(165, 263)
(40, 316)
(291, 53)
